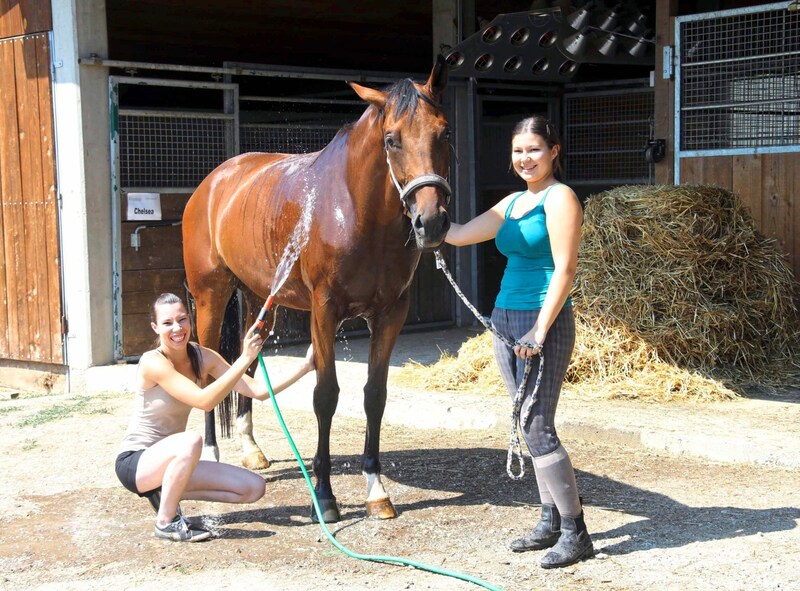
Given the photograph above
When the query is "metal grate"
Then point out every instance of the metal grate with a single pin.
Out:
(285, 140)
(739, 82)
(605, 136)
(170, 151)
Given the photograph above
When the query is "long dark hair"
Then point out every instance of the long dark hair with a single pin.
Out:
(195, 359)
(541, 126)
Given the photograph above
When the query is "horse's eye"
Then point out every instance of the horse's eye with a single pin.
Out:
(391, 142)
(446, 135)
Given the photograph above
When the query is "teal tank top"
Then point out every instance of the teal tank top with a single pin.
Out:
(526, 244)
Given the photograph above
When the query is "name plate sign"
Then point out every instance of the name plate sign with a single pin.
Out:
(144, 206)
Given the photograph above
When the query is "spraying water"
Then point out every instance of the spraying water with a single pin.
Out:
(297, 241)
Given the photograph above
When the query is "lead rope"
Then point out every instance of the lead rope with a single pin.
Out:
(514, 446)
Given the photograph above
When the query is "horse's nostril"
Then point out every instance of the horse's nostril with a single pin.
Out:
(418, 223)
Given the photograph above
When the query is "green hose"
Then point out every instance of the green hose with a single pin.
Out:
(324, 526)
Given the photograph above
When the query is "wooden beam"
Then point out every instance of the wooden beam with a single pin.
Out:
(666, 10)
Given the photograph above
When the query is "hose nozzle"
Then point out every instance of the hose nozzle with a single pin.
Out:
(262, 315)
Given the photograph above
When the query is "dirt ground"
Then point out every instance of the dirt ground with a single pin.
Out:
(657, 521)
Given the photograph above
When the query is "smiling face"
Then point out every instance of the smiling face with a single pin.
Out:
(172, 326)
(532, 158)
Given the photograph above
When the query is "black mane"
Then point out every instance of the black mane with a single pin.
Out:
(403, 97)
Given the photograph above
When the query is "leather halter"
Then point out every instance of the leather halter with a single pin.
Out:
(427, 179)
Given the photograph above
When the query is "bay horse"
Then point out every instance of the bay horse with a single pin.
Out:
(372, 201)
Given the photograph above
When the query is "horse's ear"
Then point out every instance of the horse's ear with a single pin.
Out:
(371, 95)
(438, 78)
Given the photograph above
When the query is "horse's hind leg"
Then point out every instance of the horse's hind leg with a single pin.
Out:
(384, 331)
(252, 456)
(210, 299)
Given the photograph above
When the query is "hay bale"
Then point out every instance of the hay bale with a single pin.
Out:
(683, 269)
(678, 296)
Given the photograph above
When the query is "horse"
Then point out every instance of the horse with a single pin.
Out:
(372, 201)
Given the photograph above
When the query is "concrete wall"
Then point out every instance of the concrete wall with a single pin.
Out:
(80, 95)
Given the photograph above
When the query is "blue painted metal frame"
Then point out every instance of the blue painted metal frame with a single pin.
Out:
(678, 154)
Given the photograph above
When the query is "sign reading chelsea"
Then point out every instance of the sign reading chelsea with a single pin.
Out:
(144, 206)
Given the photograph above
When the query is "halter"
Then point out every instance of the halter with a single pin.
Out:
(428, 179)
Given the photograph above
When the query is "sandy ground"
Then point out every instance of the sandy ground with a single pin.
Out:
(658, 520)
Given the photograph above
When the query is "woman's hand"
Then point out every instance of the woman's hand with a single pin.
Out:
(530, 344)
(252, 344)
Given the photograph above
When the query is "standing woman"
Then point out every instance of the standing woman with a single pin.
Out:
(158, 458)
(539, 231)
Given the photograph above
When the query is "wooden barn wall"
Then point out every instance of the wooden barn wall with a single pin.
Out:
(156, 267)
(30, 312)
(768, 184)
(24, 17)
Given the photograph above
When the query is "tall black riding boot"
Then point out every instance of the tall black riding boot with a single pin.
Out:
(544, 535)
(573, 545)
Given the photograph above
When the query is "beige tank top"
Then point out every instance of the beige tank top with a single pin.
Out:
(156, 415)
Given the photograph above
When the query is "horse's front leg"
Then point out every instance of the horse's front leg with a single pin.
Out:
(384, 330)
(324, 323)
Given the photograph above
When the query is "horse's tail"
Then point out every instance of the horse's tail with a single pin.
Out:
(230, 347)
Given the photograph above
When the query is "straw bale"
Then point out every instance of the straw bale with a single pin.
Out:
(678, 296)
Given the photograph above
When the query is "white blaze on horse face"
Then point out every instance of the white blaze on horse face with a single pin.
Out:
(375, 488)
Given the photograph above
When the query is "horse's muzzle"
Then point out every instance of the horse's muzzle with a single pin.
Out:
(429, 231)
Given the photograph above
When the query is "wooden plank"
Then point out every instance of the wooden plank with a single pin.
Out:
(137, 336)
(664, 99)
(10, 19)
(794, 188)
(691, 171)
(48, 179)
(7, 165)
(13, 221)
(718, 171)
(161, 248)
(37, 331)
(21, 17)
(157, 280)
(37, 15)
(769, 194)
(785, 211)
(747, 184)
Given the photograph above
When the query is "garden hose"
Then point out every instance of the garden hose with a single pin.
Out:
(324, 526)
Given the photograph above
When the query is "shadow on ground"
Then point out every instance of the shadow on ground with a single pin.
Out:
(476, 477)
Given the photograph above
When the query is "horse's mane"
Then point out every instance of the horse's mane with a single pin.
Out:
(403, 96)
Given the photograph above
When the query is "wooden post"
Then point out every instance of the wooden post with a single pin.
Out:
(666, 11)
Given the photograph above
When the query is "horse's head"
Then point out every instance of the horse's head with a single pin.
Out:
(416, 141)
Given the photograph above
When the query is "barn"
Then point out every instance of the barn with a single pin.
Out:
(114, 111)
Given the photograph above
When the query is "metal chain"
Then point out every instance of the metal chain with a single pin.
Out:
(514, 446)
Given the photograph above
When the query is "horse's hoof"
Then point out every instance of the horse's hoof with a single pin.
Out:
(255, 461)
(381, 509)
(330, 511)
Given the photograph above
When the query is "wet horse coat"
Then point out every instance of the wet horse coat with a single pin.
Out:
(372, 200)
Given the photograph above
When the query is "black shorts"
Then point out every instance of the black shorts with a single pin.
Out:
(125, 467)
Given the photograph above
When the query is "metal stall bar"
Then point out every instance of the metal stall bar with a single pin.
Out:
(737, 87)
(606, 133)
